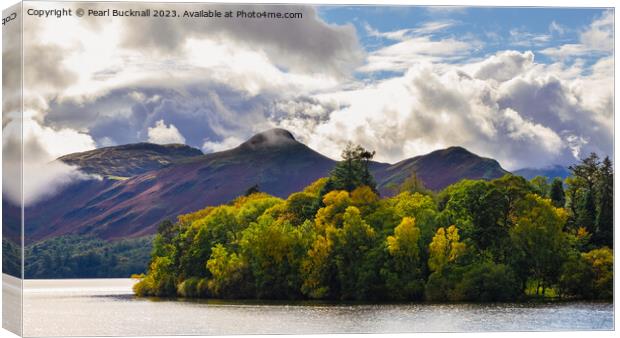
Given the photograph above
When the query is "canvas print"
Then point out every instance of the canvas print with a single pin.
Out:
(217, 169)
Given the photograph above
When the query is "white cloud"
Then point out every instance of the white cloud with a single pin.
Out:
(237, 81)
(42, 175)
(527, 39)
(595, 39)
(503, 66)
(164, 134)
(404, 54)
(427, 28)
(506, 106)
(555, 27)
(225, 144)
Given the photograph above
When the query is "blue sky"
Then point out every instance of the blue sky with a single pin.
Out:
(496, 29)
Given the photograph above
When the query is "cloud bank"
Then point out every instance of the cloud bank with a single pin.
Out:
(212, 84)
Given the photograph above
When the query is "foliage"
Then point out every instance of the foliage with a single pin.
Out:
(402, 270)
(590, 192)
(86, 257)
(589, 274)
(413, 184)
(11, 258)
(556, 193)
(538, 237)
(337, 239)
(353, 171)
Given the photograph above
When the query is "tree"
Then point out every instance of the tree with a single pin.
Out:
(586, 174)
(444, 252)
(487, 282)
(318, 270)
(229, 272)
(479, 208)
(602, 263)
(589, 275)
(402, 271)
(353, 171)
(352, 246)
(538, 236)
(444, 248)
(413, 184)
(540, 185)
(274, 250)
(605, 209)
(556, 193)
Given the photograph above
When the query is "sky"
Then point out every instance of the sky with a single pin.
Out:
(530, 87)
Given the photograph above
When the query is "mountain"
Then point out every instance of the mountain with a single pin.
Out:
(550, 172)
(441, 168)
(274, 160)
(133, 207)
(129, 160)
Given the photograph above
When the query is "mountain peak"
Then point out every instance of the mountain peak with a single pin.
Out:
(270, 138)
(457, 150)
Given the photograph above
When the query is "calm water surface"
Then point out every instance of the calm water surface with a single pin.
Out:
(107, 307)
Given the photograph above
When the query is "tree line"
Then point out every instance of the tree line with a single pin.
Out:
(74, 256)
(501, 240)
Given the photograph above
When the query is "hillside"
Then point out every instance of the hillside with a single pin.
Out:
(441, 168)
(129, 160)
(274, 160)
(548, 172)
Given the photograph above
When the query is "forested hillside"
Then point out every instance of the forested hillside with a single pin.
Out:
(476, 240)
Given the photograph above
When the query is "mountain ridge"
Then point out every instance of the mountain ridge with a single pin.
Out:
(129, 159)
(274, 160)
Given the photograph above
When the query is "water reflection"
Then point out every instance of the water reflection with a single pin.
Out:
(107, 307)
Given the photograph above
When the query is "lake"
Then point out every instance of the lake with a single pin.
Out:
(107, 307)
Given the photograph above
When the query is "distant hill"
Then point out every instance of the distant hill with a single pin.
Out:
(441, 168)
(549, 172)
(186, 181)
(129, 160)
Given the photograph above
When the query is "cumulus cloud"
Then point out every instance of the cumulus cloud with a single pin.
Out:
(306, 44)
(504, 65)
(29, 162)
(164, 134)
(212, 84)
(89, 60)
(506, 106)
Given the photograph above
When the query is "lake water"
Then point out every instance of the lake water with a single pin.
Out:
(107, 307)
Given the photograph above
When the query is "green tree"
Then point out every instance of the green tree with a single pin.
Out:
(274, 250)
(487, 282)
(538, 237)
(586, 174)
(602, 263)
(556, 193)
(318, 270)
(229, 274)
(353, 171)
(413, 184)
(401, 271)
(589, 275)
(479, 208)
(605, 209)
(541, 185)
(352, 245)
